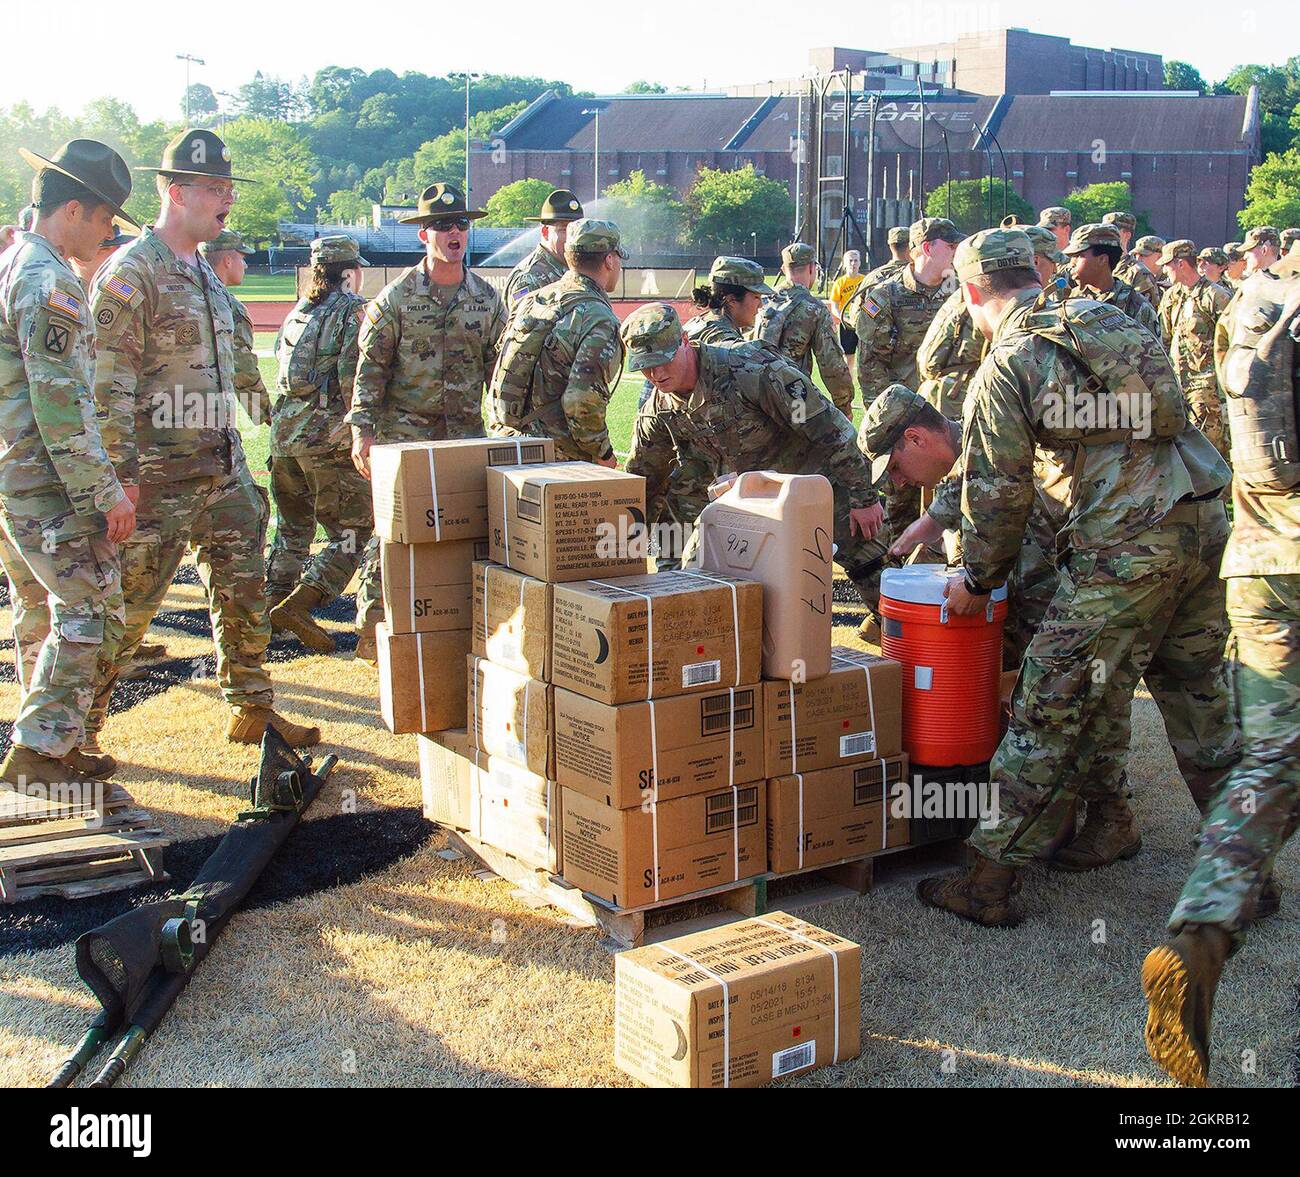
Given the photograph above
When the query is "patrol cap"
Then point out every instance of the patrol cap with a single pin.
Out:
(591, 236)
(1261, 235)
(441, 202)
(1214, 255)
(1086, 236)
(1044, 242)
(883, 424)
(1289, 238)
(991, 250)
(1182, 248)
(652, 334)
(95, 166)
(1151, 244)
(226, 239)
(933, 229)
(739, 271)
(195, 152)
(798, 253)
(897, 235)
(1121, 220)
(558, 208)
(1055, 215)
(1233, 251)
(337, 247)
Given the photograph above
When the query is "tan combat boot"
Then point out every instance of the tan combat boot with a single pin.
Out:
(869, 631)
(1179, 978)
(247, 725)
(294, 614)
(982, 895)
(1269, 901)
(98, 766)
(24, 768)
(1109, 833)
(366, 651)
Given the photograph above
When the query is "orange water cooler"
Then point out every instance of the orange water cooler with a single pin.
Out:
(951, 666)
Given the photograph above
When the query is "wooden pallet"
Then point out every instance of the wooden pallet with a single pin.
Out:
(77, 849)
(102, 801)
(649, 924)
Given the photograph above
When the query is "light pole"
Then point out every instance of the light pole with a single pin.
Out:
(595, 158)
(187, 58)
(467, 77)
(753, 237)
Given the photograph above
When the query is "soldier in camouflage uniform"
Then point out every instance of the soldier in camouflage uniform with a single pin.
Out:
(313, 481)
(561, 355)
(1093, 251)
(748, 408)
(1211, 262)
(427, 349)
(1234, 272)
(1253, 816)
(62, 508)
(1057, 220)
(165, 385)
(730, 299)
(1287, 240)
(1123, 503)
(798, 325)
(1144, 258)
(1130, 270)
(948, 357)
(891, 319)
(1262, 247)
(1194, 306)
(227, 255)
(546, 262)
(900, 258)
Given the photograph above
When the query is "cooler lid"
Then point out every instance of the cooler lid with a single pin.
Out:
(923, 584)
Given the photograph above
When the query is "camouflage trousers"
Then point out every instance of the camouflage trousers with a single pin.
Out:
(1030, 590)
(1258, 810)
(224, 517)
(1205, 410)
(1115, 612)
(686, 496)
(66, 597)
(310, 490)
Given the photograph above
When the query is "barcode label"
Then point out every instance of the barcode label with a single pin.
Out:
(794, 1058)
(530, 454)
(701, 674)
(507, 647)
(722, 810)
(716, 712)
(858, 744)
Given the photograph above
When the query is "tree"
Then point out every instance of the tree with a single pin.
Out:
(736, 209)
(641, 87)
(1181, 76)
(1279, 95)
(200, 103)
(277, 155)
(486, 123)
(271, 98)
(1273, 192)
(971, 202)
(509, 205)
(1089, 204)
(347, 206)
(649, 215)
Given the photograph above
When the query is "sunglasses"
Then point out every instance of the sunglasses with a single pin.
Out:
(445, 226)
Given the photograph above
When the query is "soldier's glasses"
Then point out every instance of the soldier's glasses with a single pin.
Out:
(445, 226)
(219, 193)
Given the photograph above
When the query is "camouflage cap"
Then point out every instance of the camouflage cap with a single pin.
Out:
(1214, 255)
(1289, 238)
(1121, 220)
(933, 229)
(652, 334)
(1182, 248)
(798, 253)
(739, 271)
(990, 250)
(1233, 252)
(591, 236)
(1055, 215)
(1151, 244)
(1261, 235)
(337, 247)
(1086, 236)
(558, 208)
(897, 235)
(1044, 242)
(225, 240)
(883, 425)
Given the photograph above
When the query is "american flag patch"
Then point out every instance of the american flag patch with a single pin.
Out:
(64, 303)
(119, 289)
(871, 307)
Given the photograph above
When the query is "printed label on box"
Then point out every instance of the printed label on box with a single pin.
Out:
(858, 744)
(698, 674)
(794, 1058)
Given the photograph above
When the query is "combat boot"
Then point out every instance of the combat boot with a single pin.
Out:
(1269, 901)
(248, 724)
(366, 650)
(869, 631)
(1179, 978)
(982, 895)
(24, 768)
(97, 766)
(150, 651)
(1109, 833)
(294, 614)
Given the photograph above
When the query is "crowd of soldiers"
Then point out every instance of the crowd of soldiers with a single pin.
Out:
(1062, 401)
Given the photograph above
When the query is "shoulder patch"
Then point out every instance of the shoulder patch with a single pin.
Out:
(64, 302)
(53, 334)
(871, 306)
(119, 288)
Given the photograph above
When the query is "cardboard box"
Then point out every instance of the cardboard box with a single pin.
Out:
(790, 1002)
(519, 812)
(447, 768)
(817, 818)
(614, 753)
(686, 632)
(512, 620)
(437, 490)
(853, 714)
(429, 587)
(421, 684)
(510, 715)
(567, 520)
(697, 842)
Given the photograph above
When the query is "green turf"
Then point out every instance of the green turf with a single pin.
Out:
(268, 288)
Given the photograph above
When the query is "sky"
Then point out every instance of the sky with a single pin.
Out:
(600, 48)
